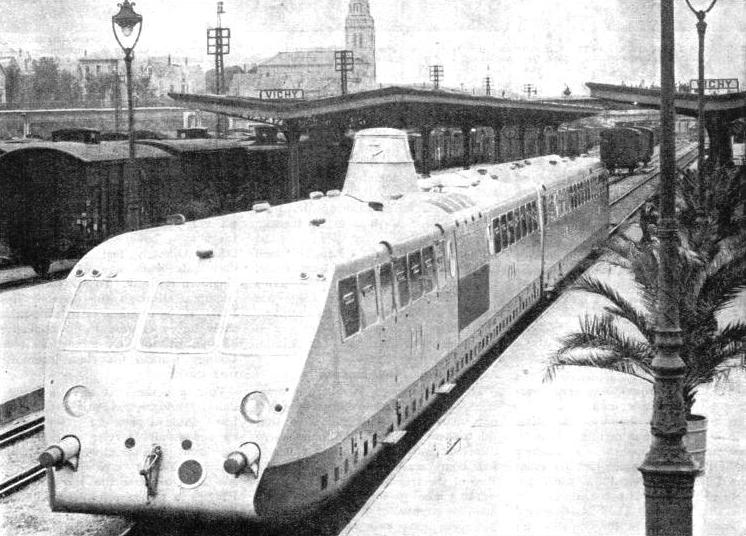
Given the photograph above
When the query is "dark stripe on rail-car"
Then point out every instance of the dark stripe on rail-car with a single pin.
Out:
(473, 296)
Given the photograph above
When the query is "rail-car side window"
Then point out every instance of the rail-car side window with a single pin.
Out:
(386, 277)
(496, 235)
(504, 231)
(366, 284)
(452, 258)
(428, 269)
(414, 263)
(511, 228)
(348, 306)
(524, 224)
(440, 262)
(402, 285)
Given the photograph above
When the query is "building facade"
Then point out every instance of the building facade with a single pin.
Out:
(310, 73)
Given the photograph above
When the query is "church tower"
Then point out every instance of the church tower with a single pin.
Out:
(360, 37)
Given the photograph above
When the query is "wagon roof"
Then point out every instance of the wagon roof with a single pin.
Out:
(193, 145)
(87, 152)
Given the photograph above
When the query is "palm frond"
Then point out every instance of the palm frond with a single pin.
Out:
(621, 307)
(600, 344)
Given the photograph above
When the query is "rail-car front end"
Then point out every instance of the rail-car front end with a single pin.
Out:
(170, 394)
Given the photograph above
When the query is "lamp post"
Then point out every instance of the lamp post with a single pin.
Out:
(668, 472)
(130, 26)
(701, 28)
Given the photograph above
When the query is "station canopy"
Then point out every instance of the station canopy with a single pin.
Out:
(398, 107)
(727, 107)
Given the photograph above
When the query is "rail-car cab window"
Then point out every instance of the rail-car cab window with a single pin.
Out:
(366, 285)
(402, 285)
(266, 318)
(440, 262)
(496, 235)
(184, 316)
(386, 277)
(414, 265)
(348, 306)
(103, 315)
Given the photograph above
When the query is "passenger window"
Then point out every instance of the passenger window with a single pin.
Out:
(428, 269)
(348, 306)
(504, 231)
(511, 228)
(440, 262)
(496, 235)
(387, 290)
(524, 225)
(452, 258)
(414, 262)
(366, 284)
(402, 286)
(533, 224)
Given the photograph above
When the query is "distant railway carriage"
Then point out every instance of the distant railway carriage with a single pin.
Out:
(623, 147)
(59, 199)
(648, 143)
(250, 365)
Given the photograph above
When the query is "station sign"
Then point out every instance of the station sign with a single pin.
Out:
(727, 85)
(281, 94)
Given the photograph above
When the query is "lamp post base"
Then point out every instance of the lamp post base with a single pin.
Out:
(669, 491)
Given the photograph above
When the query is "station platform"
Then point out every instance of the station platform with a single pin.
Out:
(24, 322)
(522, 457)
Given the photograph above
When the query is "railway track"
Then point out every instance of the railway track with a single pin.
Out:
(644, 189)
(26, 428)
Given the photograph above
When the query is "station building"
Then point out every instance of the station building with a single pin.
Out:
(310, 73)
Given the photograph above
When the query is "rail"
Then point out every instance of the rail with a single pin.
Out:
(21, 480)
(683, 160)
(21, 431)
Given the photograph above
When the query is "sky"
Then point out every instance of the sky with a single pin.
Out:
(547, 43)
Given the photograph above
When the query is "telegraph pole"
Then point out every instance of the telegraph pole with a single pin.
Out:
(219, 45)
(488, 85)
(529, 89)
(344, 62)
(436, 75)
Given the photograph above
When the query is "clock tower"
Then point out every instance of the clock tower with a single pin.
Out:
(360, 37)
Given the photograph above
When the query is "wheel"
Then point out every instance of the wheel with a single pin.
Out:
(41, 266)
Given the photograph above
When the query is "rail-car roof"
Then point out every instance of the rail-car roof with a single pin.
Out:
(310, 235)
(89, 152)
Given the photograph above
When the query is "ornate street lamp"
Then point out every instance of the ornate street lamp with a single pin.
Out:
(701, 28)
(130, 26)
(668, 472)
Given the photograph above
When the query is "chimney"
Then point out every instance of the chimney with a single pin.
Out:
(169, 60)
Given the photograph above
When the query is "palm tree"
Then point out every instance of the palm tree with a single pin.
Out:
(711, 273)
